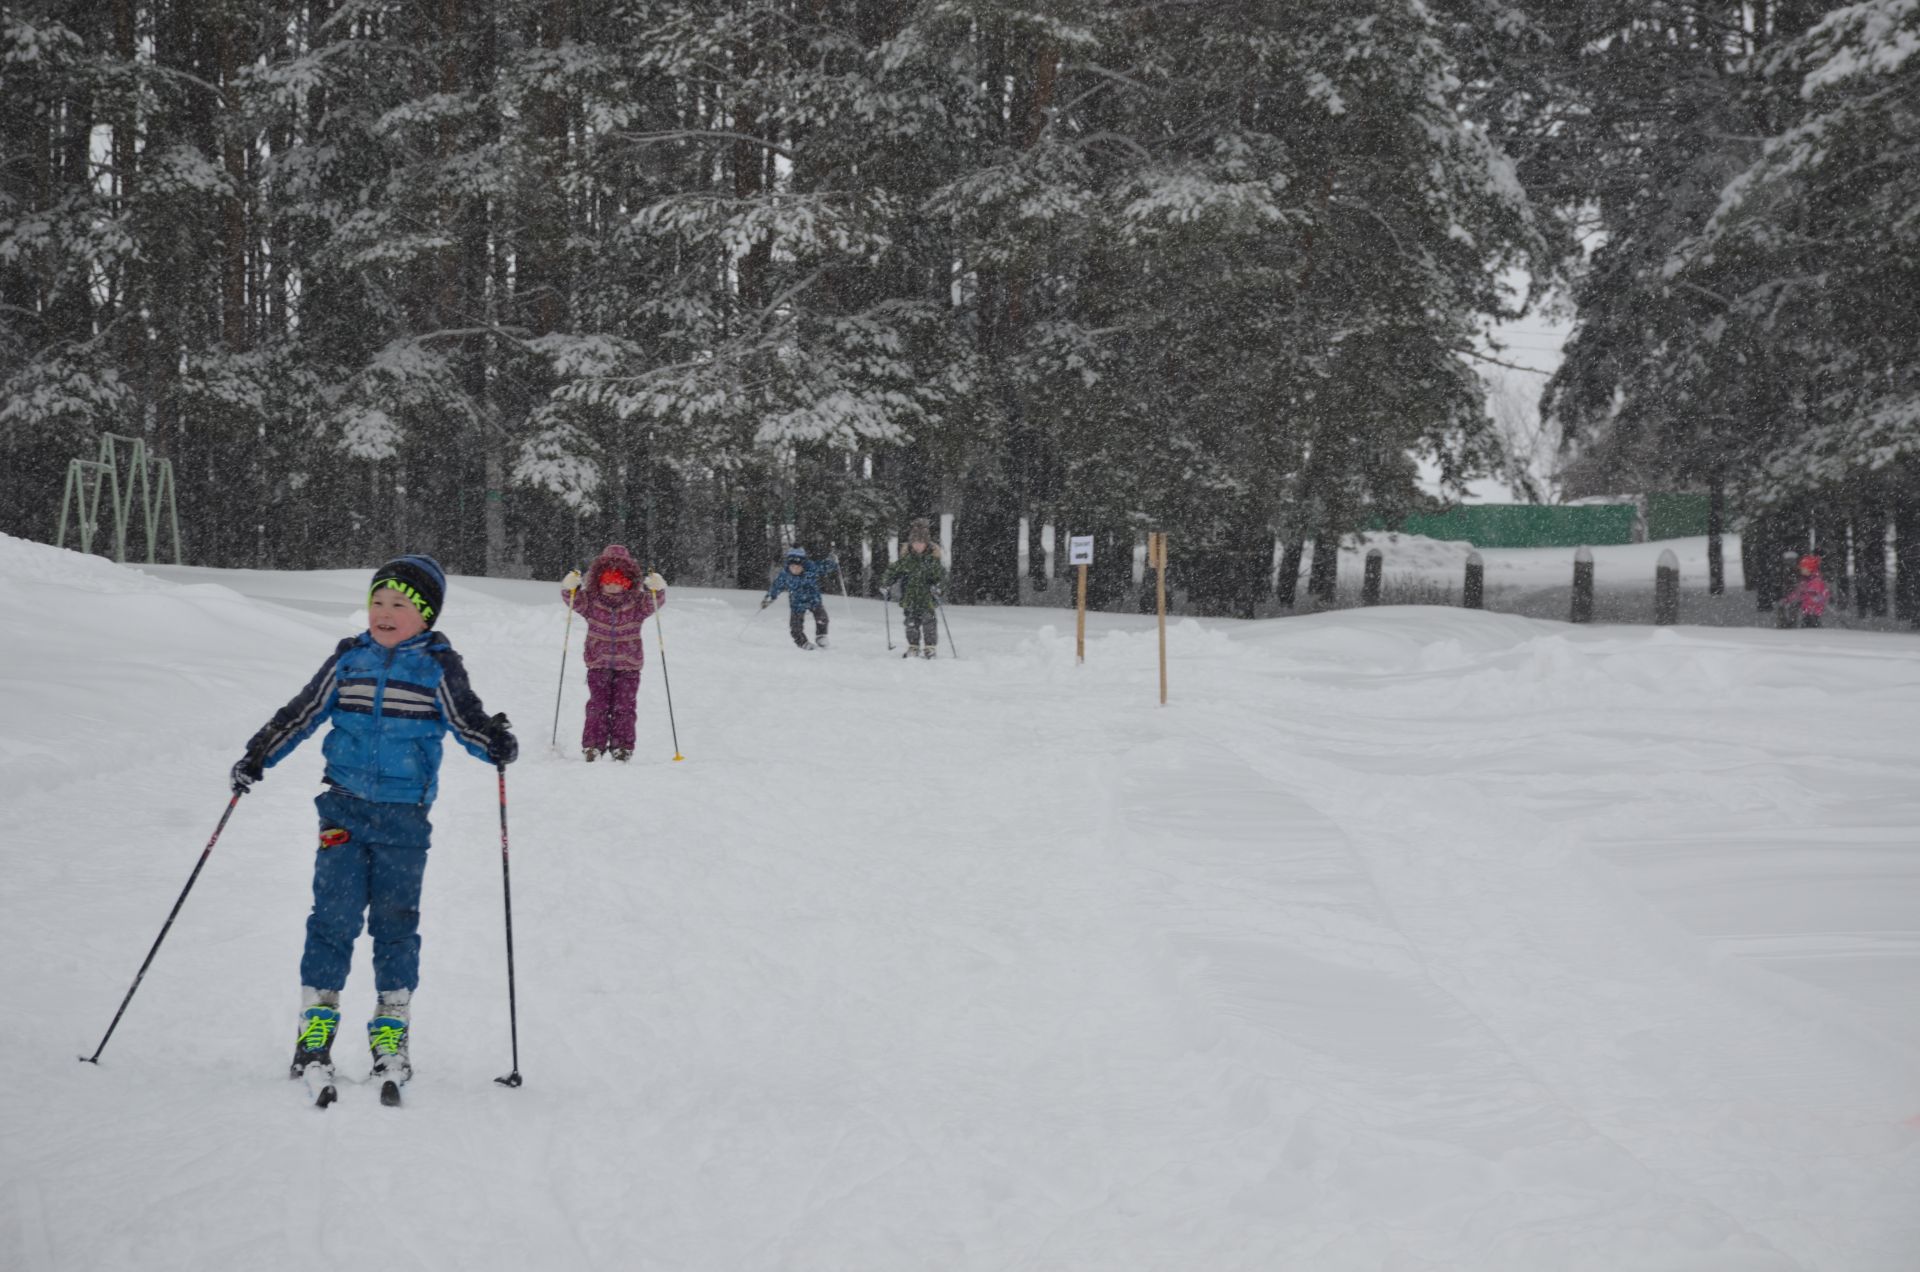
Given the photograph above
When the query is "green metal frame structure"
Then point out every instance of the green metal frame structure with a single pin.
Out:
(88, 479)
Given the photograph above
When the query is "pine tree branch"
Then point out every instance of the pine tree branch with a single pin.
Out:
(1489, 359)
(802, 285)
(705, 134)
(1709, 293)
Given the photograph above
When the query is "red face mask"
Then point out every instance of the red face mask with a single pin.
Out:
(614, 578)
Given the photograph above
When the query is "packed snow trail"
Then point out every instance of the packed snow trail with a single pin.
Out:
(1405, 939)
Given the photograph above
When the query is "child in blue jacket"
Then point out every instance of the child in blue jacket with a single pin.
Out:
(800, 579)
(391, 694)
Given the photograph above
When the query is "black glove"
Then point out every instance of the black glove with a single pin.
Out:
(502, 748)
(765, 601)
(247, 770)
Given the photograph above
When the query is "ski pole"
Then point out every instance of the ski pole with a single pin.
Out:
(840, 573)
(886, 608)
(506, 888)
(565, 642)
(945, 622)
(660, 634)
(741, 631)
(94, 1059)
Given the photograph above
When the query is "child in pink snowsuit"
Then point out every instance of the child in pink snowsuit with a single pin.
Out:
(614, 604)
(1808, 599)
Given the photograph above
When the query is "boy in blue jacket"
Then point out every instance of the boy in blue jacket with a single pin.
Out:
(391, 693)
(800, 579)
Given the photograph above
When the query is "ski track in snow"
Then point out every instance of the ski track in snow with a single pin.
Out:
(1406, 940)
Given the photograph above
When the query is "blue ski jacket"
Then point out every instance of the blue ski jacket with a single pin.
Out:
(389, 709)
(803, 590)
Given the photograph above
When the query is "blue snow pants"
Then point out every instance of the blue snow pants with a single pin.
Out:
(374, 873)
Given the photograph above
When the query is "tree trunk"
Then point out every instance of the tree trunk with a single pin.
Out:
(1287, 586)
(1830, 541)
(1716, 529)
(986, 566)
(1323, 576)
(753, 555)
(1906, 555)
(1763, 561)
(1870, 561)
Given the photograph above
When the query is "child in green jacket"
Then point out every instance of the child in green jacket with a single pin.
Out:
(919, 573)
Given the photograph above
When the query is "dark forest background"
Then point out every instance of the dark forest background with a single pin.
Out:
(505, 280)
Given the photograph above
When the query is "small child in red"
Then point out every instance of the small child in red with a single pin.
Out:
(1808, 599)
(614, 609)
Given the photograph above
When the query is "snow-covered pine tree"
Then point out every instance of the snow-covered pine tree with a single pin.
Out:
(63, 224)
(1300, 230)
(1657, 111)
(1815, 252)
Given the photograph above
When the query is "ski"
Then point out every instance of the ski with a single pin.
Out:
(320, 1086)
(390, 1093)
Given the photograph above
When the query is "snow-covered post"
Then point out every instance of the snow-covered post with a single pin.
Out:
(1370, 581)
(1473, 593)
(1666, 589)
(1582, 585)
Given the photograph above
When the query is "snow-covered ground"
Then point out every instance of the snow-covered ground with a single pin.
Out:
(1403, 940)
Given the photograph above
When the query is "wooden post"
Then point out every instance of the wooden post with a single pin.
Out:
(1666, 590)
(1370, 581)
(1080, 556)
(1582, 586)
(1080, 623)
(1473, 592)
(1157, 558)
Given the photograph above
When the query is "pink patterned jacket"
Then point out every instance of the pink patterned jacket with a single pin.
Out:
(613, 622)
(1809, 596)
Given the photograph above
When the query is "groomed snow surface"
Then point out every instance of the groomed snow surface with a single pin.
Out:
(1404, 940)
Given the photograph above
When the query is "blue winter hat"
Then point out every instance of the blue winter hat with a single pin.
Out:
(796, 554)
(419, 578)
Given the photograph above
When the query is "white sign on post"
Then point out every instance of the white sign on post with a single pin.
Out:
(1080, 550)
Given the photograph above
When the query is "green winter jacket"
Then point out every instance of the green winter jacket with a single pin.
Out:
(919, 573)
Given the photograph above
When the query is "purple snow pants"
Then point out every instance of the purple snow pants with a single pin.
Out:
(610, 708)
